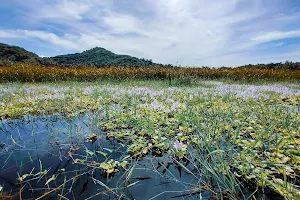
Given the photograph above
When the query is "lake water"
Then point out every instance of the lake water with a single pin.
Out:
(34, 144)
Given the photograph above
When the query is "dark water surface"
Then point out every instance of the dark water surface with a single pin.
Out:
(34, 144)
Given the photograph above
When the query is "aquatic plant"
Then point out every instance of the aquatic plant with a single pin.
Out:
(234, 141)
(172, 76)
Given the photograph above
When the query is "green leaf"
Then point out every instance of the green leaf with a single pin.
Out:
(110, 170)
(22, 178)
(123, 164)
(132, 184)
(102, 153)
(78, 161)
(101, 183)
(145, 150)
(109, 150)
(104, 165)
(53, 178)
(89, 152)
(130, 172)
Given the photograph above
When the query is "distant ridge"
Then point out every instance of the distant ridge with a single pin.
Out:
(100, 57)
(10, 55)
(96, 57)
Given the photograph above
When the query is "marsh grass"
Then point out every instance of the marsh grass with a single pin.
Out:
(177, 76)
(233, 147)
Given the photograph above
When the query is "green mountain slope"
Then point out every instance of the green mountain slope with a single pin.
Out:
(101, 57)
(10, 55)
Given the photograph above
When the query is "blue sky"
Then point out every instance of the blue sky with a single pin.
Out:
(188, 32)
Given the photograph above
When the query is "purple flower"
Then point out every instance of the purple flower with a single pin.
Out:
(178, 145)
(87, 90)
(58, 96)
(47, 96)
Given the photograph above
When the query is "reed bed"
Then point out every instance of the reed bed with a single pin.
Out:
(26, 73)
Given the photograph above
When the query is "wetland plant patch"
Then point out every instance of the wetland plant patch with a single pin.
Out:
(89, 141)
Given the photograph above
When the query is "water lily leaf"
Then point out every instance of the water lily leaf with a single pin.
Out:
(92, 138)
(116, 163)
(155, 137)
(134, 148)
(123, 164)
(110, 170)
(285, 189)
(145, 150)
(104, 165)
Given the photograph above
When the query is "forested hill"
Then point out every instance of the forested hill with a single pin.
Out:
(10, 55)
(101, 57)
(285, 65)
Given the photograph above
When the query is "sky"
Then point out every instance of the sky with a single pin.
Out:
(180, 32)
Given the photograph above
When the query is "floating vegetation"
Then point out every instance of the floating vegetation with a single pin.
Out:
(92, 138)
(88, 141)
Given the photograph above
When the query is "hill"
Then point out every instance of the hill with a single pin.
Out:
(10, 55)
(101, 57)
(280, 65)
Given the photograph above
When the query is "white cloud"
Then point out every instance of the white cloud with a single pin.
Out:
(192, 32)
(10, 34)
(279, 44)
(277, 35)
(42, 35)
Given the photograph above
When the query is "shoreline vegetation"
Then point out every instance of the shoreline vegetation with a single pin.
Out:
(30, 73)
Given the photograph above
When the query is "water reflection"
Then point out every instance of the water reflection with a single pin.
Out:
(50, 144)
